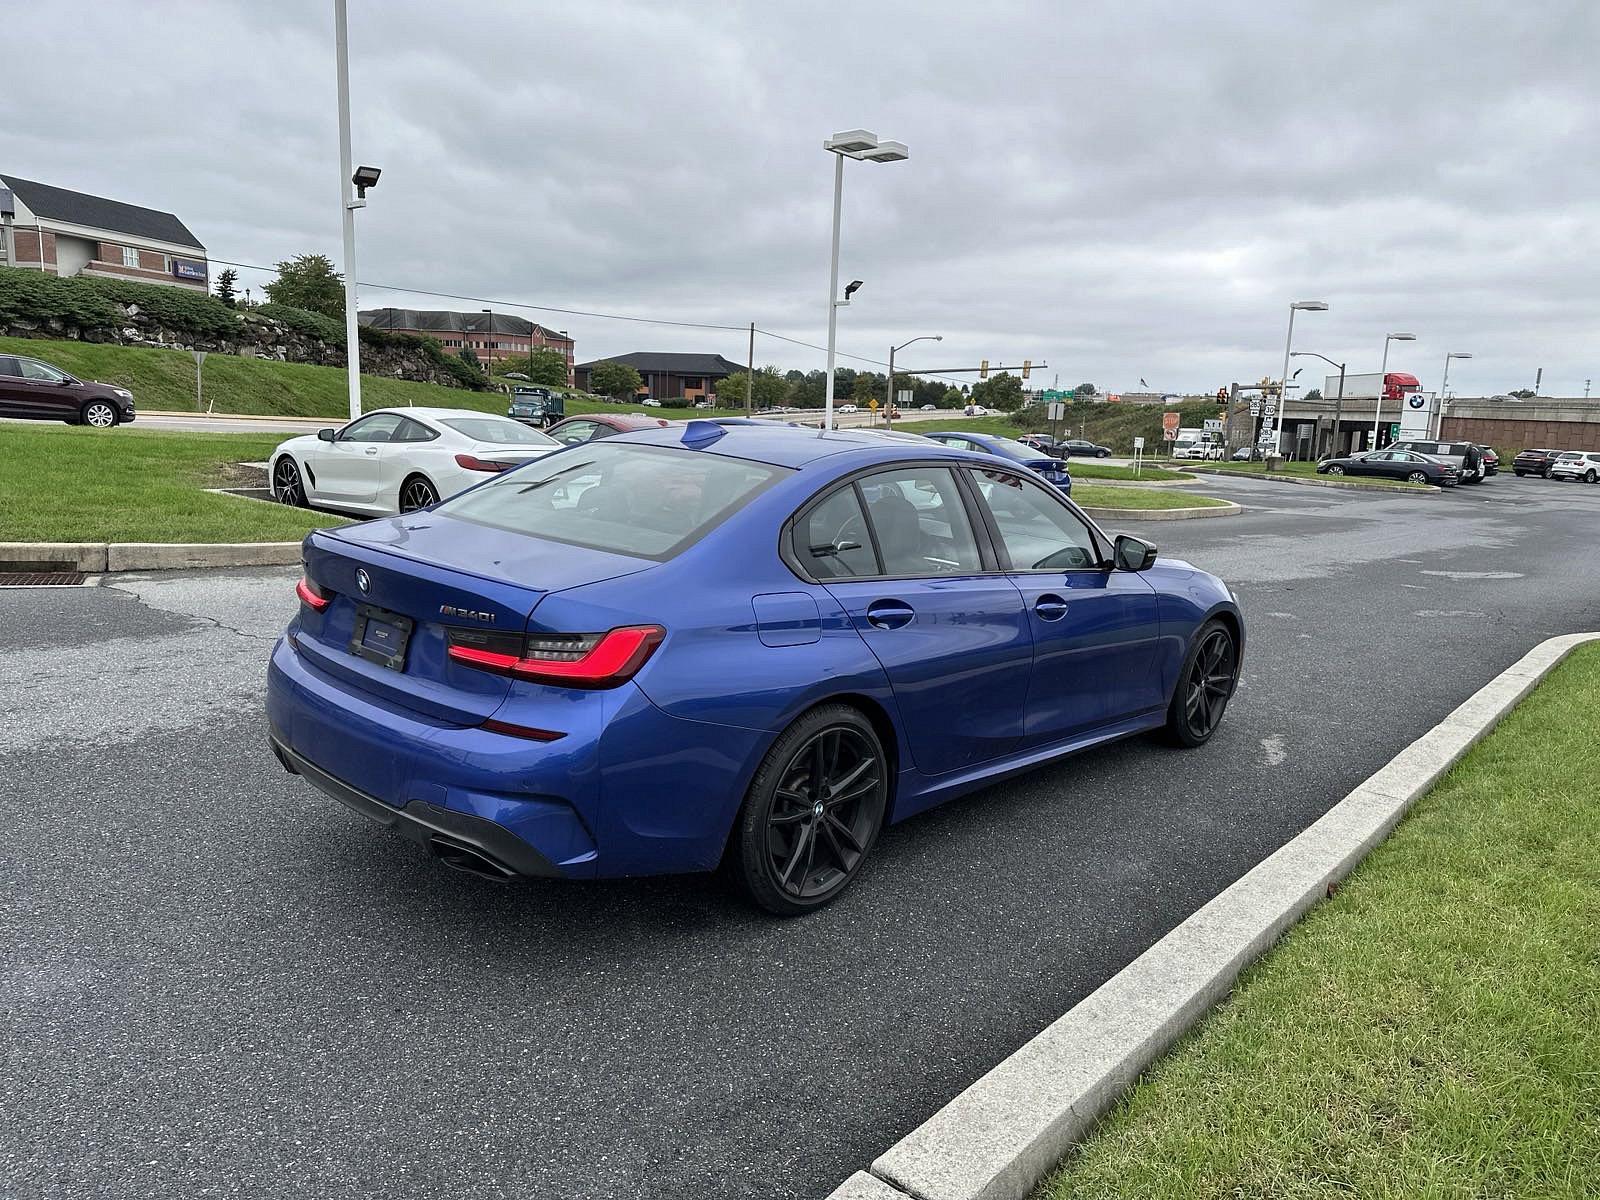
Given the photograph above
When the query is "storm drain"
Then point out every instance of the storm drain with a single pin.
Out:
(42, 579)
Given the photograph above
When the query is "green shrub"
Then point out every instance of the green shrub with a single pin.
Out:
(36, 297)
(90, 303)
(305, 322)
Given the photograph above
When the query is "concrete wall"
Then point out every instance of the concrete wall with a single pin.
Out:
(1509, 436)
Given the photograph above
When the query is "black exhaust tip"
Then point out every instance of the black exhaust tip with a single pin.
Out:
(470, 860)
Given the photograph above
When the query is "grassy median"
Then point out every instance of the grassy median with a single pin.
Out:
(1433, 1030)
(1103, 496)
(1084, 469)
(61, 483)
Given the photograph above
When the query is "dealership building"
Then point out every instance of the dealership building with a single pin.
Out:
(669, 376)
(66, 233)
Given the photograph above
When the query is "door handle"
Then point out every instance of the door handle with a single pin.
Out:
(1050, 607)
(371, 450)
(890, 614)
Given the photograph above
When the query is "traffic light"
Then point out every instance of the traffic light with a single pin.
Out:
(1027, 365)
(983, 369)
(1222, 395)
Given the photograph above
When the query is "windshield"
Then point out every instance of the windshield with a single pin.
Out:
(645, 501)
(1005, 445)
(498, 430)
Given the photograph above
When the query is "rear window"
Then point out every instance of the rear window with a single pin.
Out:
(643, 501)
(499, 430)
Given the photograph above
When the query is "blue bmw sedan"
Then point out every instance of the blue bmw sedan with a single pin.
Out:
(740, 647)
(1041, 464)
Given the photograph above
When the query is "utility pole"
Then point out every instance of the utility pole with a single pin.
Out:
(750, 373)
(1586, 384)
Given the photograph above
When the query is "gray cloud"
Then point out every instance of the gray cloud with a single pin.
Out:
(1125, 190)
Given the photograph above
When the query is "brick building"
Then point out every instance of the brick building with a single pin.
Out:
(61, 232)
(668, 376)
(491, 336)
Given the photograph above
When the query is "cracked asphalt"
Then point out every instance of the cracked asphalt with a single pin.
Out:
(217, 983)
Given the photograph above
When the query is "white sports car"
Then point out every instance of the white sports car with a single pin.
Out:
(400, 459)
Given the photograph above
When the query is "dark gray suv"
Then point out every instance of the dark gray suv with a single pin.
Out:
(32, 388)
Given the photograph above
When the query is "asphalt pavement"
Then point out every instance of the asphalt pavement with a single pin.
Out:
(217, 982)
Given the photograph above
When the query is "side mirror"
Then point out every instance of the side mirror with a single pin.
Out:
(67, 382)
(1133, 554)
(325, 435)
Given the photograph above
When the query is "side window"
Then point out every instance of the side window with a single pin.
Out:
(920, 523)
(9, 368)
(1038, 532)
(412, 431)
(379, 427)
(39, 371)
(577, 431)
(831, 541)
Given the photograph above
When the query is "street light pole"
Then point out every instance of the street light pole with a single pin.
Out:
(1288, 342)
(888, 406)
(1443, 384)
(859, 144)
(1383, 381)
(352, 340)
(1338, 403)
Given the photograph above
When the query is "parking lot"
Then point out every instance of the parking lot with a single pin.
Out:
(219, 982)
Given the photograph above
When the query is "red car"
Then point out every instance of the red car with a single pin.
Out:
(593, 426)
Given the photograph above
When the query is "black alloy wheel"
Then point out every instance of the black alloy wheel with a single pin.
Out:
(1335, 469)
(1417, 477)
(416, 493)
(1204, 687)
(1547, 472)
(99, 414)
(813, 812)
(286, 485)
(1102, 454)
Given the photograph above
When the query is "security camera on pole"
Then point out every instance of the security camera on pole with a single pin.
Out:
(859, 144)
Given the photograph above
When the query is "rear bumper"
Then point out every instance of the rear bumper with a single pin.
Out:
(461, 840)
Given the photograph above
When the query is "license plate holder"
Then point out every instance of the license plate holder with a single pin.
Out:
(381, 636)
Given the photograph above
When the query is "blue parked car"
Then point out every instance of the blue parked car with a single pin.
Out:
(1040, 463)
(748, 647)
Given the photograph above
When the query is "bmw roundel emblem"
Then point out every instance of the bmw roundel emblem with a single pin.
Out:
(1417, 400)
(363, 580)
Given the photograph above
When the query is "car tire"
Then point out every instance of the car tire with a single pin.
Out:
(1520, 474)
(1589, 475)
(765, 859)
(1205, 685)
(287, 485)
(1335, 469)
(1417, 477)
(1102, 454)
(98, 414)
(417, 492)
(1547, 473)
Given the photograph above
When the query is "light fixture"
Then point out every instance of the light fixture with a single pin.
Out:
(851, 288)
(364, 178)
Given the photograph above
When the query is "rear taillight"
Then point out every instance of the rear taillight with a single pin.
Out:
(589, 660)
(470, 462)
(312, 595)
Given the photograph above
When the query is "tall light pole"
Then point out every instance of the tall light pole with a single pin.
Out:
(488, 343)
(1288, 341)
(352, 341)
(860, 144)
(1338, 404)
(1383, 380)
(888, 406)
(1444, 383)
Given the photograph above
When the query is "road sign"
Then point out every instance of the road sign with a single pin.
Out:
(1214, 423)
(1138, 443)
(1255, 408)
(1057, 410)
(1169, 425)
(873, 404)
(903, 397)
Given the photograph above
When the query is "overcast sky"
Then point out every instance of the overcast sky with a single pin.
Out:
(1124, 189)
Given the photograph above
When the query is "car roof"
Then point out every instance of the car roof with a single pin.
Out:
(793, 446)
(626, 422)
(436, 414)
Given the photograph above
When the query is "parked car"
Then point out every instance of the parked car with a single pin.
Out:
(537, 406)
(1467, 456)
(1250, 454)
(1394, 464)
(1534, 462)
(398, 460)
(1577, 464)
(649, 402)
(1082, 448)
(593, 426)
(703, 404)
(624, 660)
(1045, 444)
(1042, 465)
(1491, 460)
(32, 388)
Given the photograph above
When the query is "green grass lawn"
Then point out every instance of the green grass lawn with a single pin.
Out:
(67, 483)
(163, 380)
(1084, 469)
(1102, 496)
(1431, 1031)
(1304, 469)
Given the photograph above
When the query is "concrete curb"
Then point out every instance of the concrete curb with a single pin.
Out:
(98, 557)
(1226, 509)
(1360, 486)
(998, 1139)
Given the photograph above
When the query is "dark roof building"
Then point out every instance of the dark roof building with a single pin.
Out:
(669, 376)
(489, 335)
(62, 232)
